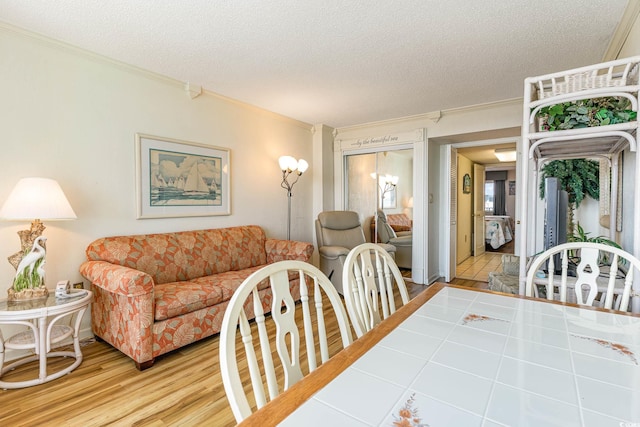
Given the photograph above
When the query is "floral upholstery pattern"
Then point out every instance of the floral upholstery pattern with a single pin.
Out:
(399, 222)
(155, 293)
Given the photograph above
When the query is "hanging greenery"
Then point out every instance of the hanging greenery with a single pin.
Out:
(586, 113)
(579, 177)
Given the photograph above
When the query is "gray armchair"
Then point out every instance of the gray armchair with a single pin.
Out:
(403, 244)
(337, 232)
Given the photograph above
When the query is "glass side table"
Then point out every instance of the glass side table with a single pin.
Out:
(44, 330)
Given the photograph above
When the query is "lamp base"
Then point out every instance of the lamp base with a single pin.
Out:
(27, 237)
(27, 294)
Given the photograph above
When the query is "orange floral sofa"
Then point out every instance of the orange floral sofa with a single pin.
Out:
(154, 293)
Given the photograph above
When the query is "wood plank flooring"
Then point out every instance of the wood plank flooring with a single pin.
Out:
(183, 388)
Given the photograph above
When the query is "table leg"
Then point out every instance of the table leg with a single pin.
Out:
(42, 344)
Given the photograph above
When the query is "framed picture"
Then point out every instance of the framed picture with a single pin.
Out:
(466, 184)
(389, 199)
(512, 188)
(180, 179)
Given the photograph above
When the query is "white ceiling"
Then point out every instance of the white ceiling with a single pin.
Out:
(338, 63)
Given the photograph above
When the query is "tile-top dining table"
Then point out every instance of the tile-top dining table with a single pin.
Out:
(455, 356)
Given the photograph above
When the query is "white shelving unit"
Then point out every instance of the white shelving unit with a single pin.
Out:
(616, 78)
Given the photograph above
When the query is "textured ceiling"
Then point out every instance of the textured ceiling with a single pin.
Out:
(334, 62)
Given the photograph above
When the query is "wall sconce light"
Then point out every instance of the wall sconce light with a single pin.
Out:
(33, 199)
(289, 166)
(505, 154)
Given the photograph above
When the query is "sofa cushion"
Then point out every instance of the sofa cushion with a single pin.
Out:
(186, 255)
(177, 298)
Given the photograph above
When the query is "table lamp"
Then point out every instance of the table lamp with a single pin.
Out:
(33, 199)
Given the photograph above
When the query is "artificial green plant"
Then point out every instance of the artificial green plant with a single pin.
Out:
(586, 113)
(579, 177)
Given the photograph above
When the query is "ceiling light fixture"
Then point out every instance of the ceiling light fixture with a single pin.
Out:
(505, 154)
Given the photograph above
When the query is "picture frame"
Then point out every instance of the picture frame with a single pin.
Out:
(389, 199)
(176, 178)
(466, 184)
(512, 188)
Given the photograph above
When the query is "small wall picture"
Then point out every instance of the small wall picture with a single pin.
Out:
(466, 184)
(512, 188)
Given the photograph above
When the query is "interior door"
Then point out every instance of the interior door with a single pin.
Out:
(451, 156)
(478, 210)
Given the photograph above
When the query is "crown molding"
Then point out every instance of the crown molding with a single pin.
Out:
(434, 116)
(192, 90)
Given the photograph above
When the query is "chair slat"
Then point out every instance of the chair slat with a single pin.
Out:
(597, 279)
(287, 332)
(368, 289)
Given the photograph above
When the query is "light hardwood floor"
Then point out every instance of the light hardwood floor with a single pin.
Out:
(183, 388)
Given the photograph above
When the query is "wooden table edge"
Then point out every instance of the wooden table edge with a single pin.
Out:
(284, 404)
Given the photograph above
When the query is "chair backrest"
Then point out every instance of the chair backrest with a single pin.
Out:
(599, 274)
(385, 232)
(339, 228)
(369, 280)
(288, 323)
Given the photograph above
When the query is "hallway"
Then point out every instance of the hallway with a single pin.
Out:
(478, 268)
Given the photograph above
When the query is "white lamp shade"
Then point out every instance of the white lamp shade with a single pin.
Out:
(287, 163)
(302, 165)
(37, 198)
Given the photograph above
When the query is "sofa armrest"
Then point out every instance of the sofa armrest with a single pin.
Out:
(117, 279)
(281, 250)
(388, 247)
(122, 312)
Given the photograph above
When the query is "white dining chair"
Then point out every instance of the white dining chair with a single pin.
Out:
(600, 275)
(370, 279)
(268, 290)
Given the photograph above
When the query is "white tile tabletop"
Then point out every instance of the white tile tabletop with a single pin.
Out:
(468, 358)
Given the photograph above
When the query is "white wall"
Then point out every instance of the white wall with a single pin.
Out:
(72, 116)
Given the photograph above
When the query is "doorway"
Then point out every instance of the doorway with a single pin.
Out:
(471, 255)
(382, 181)
(416, 142)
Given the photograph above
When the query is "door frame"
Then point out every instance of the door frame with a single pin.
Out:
(478, 209)
(416, 140)
(447, 246)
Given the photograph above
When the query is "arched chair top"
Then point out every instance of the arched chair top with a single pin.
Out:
(268, 289)
(339, 220)
(597, 274)
(370, 278)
